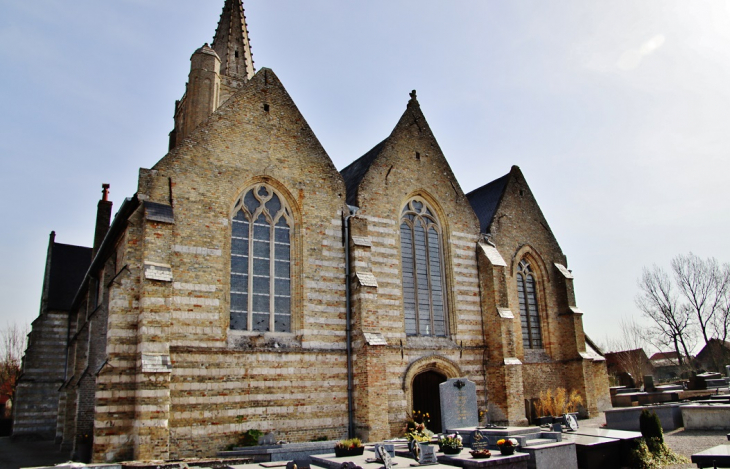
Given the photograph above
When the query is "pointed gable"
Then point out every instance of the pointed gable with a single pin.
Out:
(258, 132)
(508, 210)
(409, 161)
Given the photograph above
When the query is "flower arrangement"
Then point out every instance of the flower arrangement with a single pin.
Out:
(349, 444)
(507, 445)
(351, 447)
(452, 443)
(415, 428)
(507, 442)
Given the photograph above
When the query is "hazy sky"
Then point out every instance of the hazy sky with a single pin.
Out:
(618, 113)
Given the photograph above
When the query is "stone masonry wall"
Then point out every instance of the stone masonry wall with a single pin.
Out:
(412, 164)
(43, 367)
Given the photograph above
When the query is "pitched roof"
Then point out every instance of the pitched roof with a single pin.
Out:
(68, 267)
(356, 171)
(484, 200)
(664, 355)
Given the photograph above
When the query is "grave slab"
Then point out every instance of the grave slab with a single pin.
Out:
(297, 452)
(552, 455)
(706, 416)
(518, 460)
(670, 416)
(717, 456)
(594, 452)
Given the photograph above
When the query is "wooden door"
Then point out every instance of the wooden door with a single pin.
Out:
(426, 397)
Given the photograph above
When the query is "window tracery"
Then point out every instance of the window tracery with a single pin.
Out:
(529, 313)
(261, 262)
(424, 302)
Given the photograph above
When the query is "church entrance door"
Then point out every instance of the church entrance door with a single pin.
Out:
(426, 397)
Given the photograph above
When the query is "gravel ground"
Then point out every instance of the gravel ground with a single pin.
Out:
(681, 441)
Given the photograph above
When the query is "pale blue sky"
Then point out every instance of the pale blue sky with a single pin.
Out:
(617, 112)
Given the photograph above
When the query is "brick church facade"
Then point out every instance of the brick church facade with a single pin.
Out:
(249, 284)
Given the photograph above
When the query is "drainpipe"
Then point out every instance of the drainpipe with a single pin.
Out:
(348, 327)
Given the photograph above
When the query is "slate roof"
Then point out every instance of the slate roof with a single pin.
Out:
(485, 200)
(355, 171)
(159, 212)
(68, 267)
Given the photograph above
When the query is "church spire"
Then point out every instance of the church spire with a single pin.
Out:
(231, 42)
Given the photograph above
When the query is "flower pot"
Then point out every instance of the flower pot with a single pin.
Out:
(507, 450)
(347, 452)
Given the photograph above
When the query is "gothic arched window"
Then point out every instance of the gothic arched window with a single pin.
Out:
(529, 314)
(260, 262)
(424, 302)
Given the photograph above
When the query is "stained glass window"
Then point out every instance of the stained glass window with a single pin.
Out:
(424, 301)
(529, 314)
(260, 262)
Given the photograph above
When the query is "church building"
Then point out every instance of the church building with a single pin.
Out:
(249, 284)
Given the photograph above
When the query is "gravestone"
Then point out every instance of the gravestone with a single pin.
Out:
(427, 454)
(384, 455)
(389, 448)
(268, 439)
(727, 370)
(458, 398)
(649, 383)
(479, 440)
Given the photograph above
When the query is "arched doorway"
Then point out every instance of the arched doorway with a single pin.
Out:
(426, 397)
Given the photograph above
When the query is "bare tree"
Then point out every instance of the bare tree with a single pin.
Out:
(721, 320)
(704, 284)
(12, 346)
(672, 319)
(627, 350)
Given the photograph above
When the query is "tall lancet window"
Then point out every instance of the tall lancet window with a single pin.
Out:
(424, 302)
(260, 262)
(529, 314)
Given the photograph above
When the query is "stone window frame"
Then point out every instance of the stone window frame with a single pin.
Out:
(529, 306)
(436, 216)
(295, 256)
(541, 279)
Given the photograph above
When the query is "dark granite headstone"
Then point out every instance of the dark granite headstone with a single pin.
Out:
(479, 440)
(649, 383)
(427, 454)
(458, 398)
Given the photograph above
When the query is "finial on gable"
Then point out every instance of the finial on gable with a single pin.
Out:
(412, 94)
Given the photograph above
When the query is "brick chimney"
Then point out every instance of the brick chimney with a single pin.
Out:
(103, 218)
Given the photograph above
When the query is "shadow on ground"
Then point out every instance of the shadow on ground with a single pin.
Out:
(17, 454)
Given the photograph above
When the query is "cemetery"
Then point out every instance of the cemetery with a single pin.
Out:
(563, 445)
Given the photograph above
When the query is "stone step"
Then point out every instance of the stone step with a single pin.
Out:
(539, 441)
